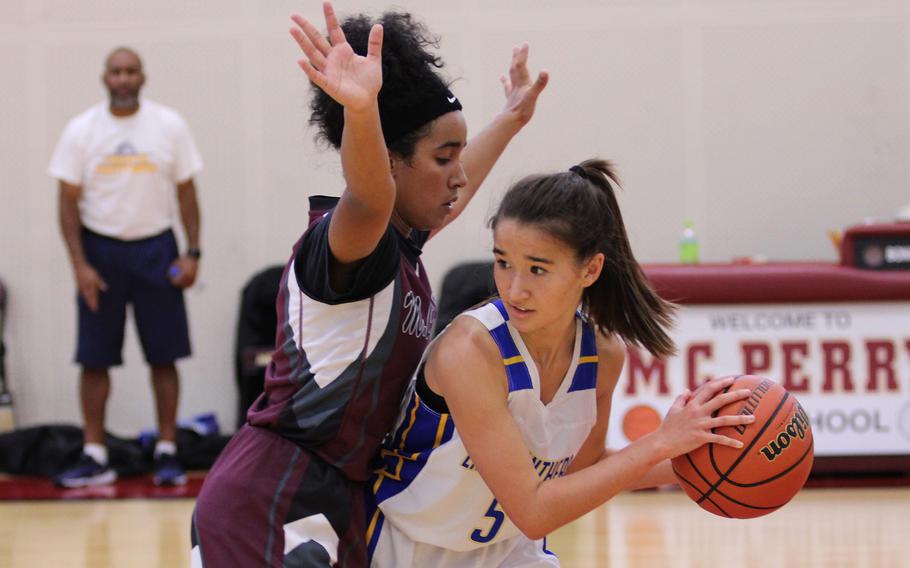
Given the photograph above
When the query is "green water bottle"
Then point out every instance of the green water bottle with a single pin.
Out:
(688, 244)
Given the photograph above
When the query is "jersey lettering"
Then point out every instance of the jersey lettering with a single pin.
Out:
(498, 517)
(415, 322)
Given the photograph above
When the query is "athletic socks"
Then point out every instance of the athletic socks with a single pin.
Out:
(165, 447)
(97, 452)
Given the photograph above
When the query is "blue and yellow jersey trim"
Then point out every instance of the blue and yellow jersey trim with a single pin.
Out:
(516, 369)
(413, 443)
(586, 370)
(374, 529)
(423, 430)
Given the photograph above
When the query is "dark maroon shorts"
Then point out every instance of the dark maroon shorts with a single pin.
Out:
(268, 502)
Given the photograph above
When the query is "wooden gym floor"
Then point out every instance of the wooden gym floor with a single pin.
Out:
(830, 528)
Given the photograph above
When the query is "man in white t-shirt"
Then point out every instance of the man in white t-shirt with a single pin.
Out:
(118, 164)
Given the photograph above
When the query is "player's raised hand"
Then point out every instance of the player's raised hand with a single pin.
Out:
(352, 80)
(520, 91)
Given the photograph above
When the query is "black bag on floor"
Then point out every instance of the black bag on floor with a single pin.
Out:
(49, 450)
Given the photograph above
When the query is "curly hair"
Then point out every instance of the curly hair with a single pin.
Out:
(408, 70)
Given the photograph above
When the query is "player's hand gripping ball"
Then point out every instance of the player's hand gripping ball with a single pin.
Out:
(767, 471)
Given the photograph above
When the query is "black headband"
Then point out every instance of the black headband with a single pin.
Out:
(430, 105)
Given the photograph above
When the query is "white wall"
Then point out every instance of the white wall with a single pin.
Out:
(767, 122)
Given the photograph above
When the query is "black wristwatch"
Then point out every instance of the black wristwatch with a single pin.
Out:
(194, 253)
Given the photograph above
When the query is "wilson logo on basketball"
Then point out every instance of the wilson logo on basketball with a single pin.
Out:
(797, 428)
(753, 401)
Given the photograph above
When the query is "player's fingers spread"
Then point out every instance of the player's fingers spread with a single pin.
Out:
(522, 53)
(518, 71)
(718, 385)
(312, 34)
(725, 441)
(336, 35)
(542, 79)
(707, 391)
(302, 40)
(534, 91)
(681, 400)
(374, 44)
(732, 420)
(299, 20)
(514, 62)
(312, 74)
(298, 36)
(723, 399)
(314, 55)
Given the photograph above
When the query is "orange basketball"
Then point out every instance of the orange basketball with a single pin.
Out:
(767, 471)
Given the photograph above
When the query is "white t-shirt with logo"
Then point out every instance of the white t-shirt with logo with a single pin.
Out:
(127, 167)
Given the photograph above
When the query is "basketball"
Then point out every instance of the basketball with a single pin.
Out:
(767, 471)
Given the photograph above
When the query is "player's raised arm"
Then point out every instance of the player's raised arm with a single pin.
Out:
(485, 148)
(354, 81)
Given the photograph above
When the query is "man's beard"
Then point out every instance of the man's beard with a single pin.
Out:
(124, 102)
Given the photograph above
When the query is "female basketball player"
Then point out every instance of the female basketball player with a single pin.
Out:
(501, 439)
(355, 308)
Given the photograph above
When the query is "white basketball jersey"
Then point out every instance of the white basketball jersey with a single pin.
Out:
(428, 487)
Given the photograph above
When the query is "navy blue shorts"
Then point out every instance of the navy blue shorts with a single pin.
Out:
(135, 273)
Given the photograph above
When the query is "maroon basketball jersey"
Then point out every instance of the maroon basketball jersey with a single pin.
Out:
(342, 361)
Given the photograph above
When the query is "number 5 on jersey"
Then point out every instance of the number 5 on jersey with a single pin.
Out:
(498, 517)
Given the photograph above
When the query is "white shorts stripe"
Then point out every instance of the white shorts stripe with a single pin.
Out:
(313, 528)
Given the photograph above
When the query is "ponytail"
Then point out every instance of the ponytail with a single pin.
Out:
(621, 300)
(579, 208)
